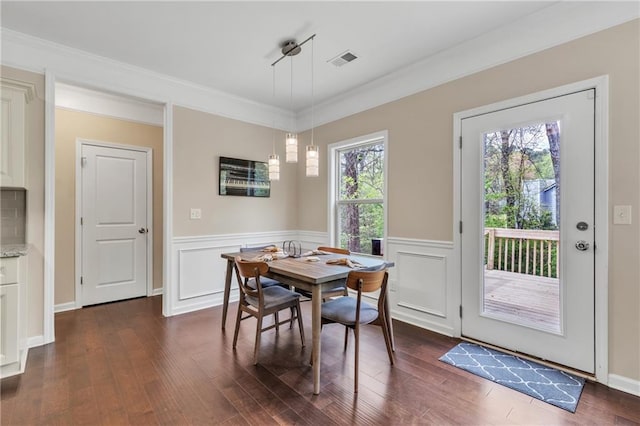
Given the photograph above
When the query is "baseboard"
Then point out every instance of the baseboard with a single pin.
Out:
(624, 384)
(63, 307)
(35, 341)
(156, 292)
(420, 321)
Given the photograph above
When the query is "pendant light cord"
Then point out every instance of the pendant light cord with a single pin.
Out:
(273, 94)
(291, 100)
(312, 90)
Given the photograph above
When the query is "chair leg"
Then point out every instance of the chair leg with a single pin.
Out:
(346, 337)
(238, 318)
(298, 314)
(357, 333)
(277, 320)
(256, 349)
(291, 322)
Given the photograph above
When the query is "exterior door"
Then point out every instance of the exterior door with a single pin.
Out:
(528, 229)
(114, 224)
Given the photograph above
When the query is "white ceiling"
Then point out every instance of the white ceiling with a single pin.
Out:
(229, 46)
(216, 56)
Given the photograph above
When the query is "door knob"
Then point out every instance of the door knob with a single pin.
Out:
(582, 245)
(142, 231)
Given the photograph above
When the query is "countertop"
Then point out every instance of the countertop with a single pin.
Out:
(13, 250)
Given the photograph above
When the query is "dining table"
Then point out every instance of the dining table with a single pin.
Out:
(311, 273)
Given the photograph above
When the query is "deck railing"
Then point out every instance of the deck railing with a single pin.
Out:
(525, 251)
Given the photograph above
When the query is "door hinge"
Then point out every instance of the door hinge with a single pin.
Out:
(460, 311)
(81, 221)
(83, 161)
(461, 227)
(460, 140)
(81, 281)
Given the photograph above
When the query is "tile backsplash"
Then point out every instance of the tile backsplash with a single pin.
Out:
(13, 215)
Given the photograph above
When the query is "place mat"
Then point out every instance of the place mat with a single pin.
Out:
(539, 381)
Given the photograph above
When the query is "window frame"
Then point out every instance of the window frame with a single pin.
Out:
(333, 204)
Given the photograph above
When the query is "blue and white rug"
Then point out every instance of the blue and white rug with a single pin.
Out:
(539, 381)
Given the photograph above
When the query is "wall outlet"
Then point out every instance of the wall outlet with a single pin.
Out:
(196, 214)
(622, 215)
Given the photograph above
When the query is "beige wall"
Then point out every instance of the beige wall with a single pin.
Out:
(421, 167)
(69, 126)
(34, 159)
(199, 139)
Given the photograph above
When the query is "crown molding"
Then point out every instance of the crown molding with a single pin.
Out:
(562, 22)
(97, 102)
(77, 67)
(29, 89)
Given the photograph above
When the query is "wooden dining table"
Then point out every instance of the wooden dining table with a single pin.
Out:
(312, 276)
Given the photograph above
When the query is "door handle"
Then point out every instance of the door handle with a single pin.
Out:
(142, 231)
(582, 245)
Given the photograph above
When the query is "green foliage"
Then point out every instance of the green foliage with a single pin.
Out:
(511, 159)
(495, 221)
(361, 190)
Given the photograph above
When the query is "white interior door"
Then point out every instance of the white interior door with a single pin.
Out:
(528, 260)
(114, 224)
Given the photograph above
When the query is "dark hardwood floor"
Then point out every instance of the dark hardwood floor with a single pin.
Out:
(123, 363)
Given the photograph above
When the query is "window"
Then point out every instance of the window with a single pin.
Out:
(358, 195)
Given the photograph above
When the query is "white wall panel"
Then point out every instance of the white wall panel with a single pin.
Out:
(423, 282)
(423, 291)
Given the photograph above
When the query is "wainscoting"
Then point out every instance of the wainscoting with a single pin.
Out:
(199, 271)
(421, 288)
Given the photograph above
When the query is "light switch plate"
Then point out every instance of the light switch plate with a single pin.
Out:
(622, 215)
(196, 214)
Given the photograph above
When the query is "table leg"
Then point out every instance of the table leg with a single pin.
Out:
(227, 290)
(316, 312)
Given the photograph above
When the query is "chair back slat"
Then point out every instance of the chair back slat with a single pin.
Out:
(336, 250)
(246, 270)
(251, 269)
(371, 280)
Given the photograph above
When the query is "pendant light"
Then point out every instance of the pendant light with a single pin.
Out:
(291, 140)
(274, 159)
(313, 156)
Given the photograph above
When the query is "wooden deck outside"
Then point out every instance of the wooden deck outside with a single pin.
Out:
(524, 299)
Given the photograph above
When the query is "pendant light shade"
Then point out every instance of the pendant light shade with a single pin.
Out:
(291, 147)
(313, 158)
(274, 167)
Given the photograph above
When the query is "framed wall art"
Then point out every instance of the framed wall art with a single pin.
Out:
(246, 178)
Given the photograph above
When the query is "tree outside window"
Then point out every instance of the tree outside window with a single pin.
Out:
(360, 195)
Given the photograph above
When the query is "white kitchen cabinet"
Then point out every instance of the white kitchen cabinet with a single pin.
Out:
(15, 95)
(13, 348)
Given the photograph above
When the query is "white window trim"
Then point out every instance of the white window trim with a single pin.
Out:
(332, 155)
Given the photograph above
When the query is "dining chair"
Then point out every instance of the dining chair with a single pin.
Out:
(341, 288)
(354, 312)
(261, 301)
(266, 282)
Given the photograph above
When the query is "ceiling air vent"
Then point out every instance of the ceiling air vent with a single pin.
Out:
(343, 58)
